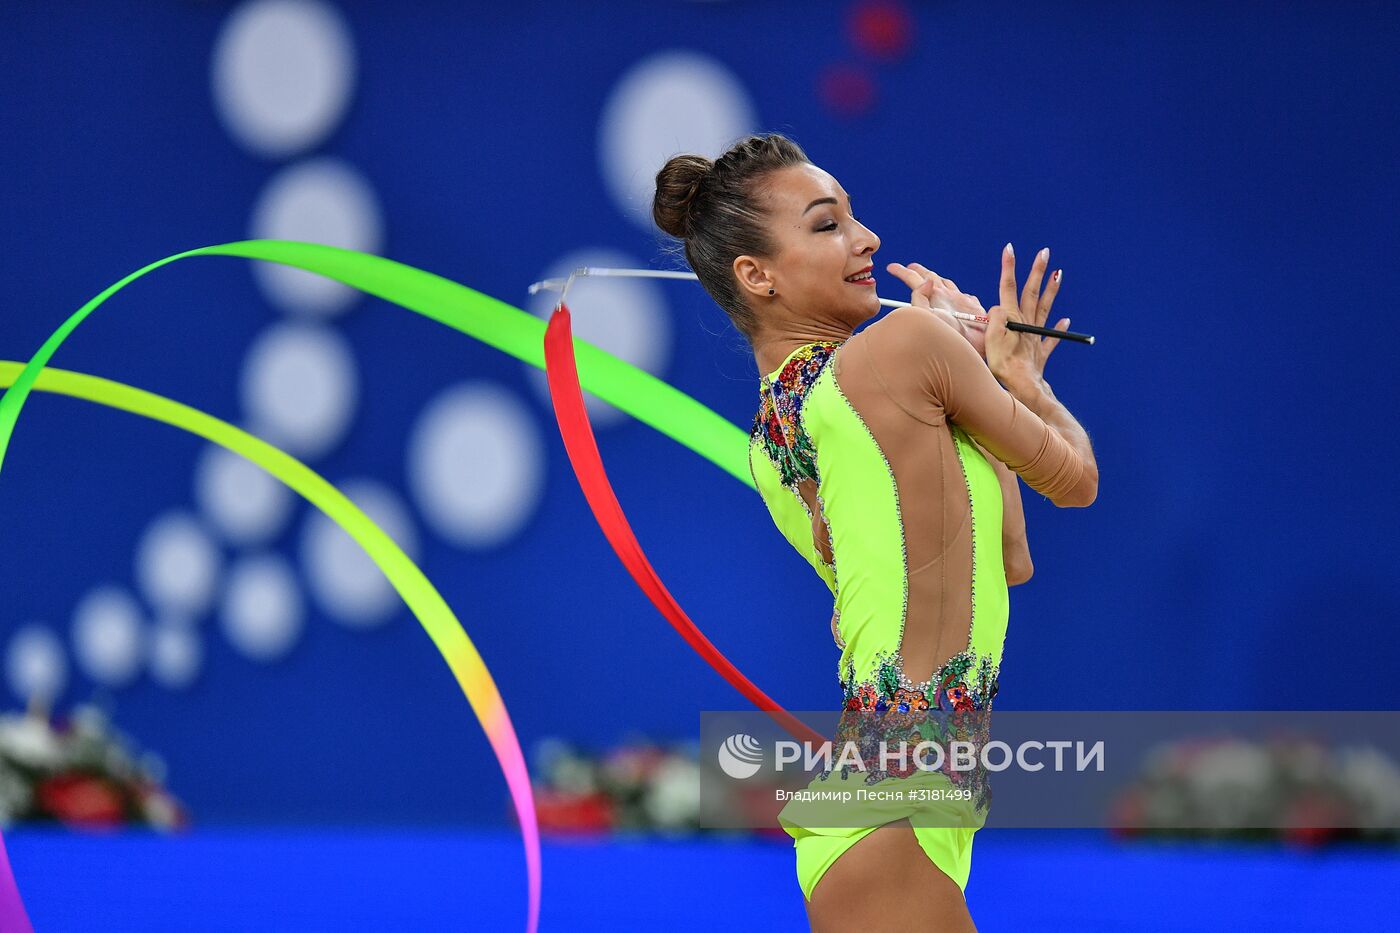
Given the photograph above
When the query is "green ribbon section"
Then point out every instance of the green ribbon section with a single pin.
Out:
(507, 328)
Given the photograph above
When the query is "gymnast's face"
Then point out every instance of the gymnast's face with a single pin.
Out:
(821, 254)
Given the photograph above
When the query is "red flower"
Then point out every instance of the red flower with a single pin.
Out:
(80, 800)
(775, 432)
(1129, 813)
(959, 698)
(558, 811)
(1312, 819)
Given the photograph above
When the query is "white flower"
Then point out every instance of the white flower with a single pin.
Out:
(159, 810)
(30, 741)
(1374, 782)
(1230, 783)
(673, 799)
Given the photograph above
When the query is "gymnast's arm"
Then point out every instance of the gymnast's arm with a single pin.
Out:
(1024, 428)
(1016, 554)
(1015, 551)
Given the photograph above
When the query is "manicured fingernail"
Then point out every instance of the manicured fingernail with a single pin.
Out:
(1009, 250)
(1057, 274)
(1044, 254)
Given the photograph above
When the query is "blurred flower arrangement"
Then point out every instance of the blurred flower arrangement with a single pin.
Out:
(1293, 789)
(81, 773)
(637, 786)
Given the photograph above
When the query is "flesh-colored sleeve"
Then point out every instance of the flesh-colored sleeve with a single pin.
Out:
(933, 373)
(790, 513)
(1015, 549)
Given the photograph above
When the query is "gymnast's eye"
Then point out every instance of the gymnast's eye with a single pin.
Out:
(830, 226)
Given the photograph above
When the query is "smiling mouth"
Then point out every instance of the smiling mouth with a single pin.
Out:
(863, 277)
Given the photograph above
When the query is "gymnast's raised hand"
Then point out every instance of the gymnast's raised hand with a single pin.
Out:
(942, 296)
(1016, 354)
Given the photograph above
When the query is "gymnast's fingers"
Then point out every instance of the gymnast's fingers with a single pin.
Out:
(1008, 283)
(1050, 343)
(943, 280)
(928, 273)
(914, 280)
(1030, 295)
(1047, 298)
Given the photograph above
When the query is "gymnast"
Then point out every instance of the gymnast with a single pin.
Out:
(889, 460)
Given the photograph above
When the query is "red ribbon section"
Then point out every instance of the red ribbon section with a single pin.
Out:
(566, 393)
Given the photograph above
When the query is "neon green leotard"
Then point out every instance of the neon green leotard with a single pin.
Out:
(866, 453)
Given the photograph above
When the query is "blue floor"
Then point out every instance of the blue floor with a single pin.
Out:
(247, 880)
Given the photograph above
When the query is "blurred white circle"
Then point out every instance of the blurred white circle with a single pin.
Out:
(322, 200)
(108, 636)
(476, 464)
(346, 583)
(282, 74)
(629, 318)
(176, 654)
(300, 387)
(247, 504)
(177, 565)
(263, 613)
(667, 104)
(35, 663)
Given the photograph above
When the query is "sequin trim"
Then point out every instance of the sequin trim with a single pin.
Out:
(821, 509)
(952, 705)
(898, 508)
(967, 680)
(867, 735)
(778, 427)
(778, 422)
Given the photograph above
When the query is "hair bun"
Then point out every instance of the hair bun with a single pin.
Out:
(677, 185)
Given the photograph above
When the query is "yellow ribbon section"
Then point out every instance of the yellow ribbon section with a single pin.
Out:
(420, 595)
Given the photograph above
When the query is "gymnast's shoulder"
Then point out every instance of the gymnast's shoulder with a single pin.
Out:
(910, 332)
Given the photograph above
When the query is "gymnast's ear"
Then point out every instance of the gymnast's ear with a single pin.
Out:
(753, 277)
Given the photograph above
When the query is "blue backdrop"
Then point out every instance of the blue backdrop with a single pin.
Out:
(1217, 184)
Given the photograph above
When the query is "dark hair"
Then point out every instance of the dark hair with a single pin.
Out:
(713, 207)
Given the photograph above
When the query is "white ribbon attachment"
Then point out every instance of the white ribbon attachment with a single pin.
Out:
(562, 286)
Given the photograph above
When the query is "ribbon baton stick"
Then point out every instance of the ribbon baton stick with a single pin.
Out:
(596, 271)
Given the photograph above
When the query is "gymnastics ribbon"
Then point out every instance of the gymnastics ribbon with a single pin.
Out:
(493, 322)
(418, 593)
(577, 431)
(512, 331)
(13, 918)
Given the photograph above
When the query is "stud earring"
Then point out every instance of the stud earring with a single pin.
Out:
(771, 291)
